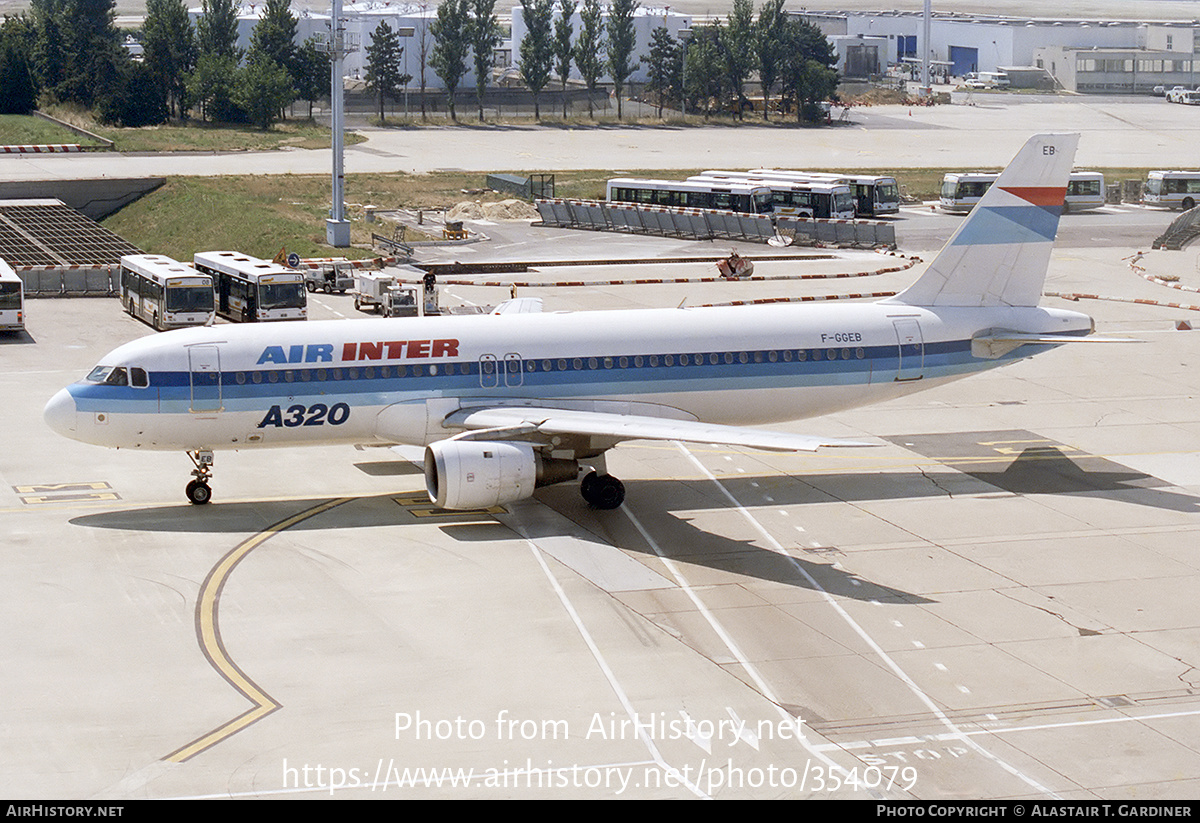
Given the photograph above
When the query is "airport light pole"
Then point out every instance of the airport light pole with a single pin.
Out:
(404, 33)
(685, 37)
(337, 227)
(926, 88)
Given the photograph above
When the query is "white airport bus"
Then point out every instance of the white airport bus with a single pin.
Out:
(165, 293)
(1085, 190)
(962, 190)
(1174, 189)
(12, 299)
(249, 289)
(725, 195)
(794, 198)
(873, 195)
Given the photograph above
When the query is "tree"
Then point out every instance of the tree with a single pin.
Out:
(807, 73)
(274, 35)
(665, 66)
(213, 86)
(134, 100)
(272, 41)
(450, 46)
(263, 89)
(563, 50)
(589, 47)
(49, 51)
(706, 76)
(622, 40)
(170, 51)
(216, 30)
(768, 47)
(384, 74)
(484, 36)
(94, 58)
(18, 86)
(737, 50)
(537, 48)
(312, 73)
(422, 32)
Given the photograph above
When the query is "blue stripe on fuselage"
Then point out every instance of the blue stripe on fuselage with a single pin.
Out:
(597, 376)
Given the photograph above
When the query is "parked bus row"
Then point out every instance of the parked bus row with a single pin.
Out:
(168, 294)
(874, 196)
(766, 191)
(1085, 190)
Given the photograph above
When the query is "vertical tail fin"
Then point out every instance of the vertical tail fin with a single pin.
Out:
(999, 255)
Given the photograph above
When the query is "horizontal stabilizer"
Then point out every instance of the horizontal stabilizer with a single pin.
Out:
(998, 344)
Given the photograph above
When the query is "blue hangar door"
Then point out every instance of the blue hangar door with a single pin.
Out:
(963, 59)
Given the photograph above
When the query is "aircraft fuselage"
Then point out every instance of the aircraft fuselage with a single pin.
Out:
(394, 380)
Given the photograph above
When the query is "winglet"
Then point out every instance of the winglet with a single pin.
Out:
(1000, 253)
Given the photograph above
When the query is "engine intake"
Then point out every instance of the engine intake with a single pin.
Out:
(476, 474)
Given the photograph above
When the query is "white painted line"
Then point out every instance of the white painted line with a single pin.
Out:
(655, 754)
(762, 685)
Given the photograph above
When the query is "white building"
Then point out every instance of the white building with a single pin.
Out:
(411, 20)
(988, 43)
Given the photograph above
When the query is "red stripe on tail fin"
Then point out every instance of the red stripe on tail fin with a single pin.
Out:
(1038, 195)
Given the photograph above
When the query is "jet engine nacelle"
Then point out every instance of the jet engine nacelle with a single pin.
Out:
(476, 474)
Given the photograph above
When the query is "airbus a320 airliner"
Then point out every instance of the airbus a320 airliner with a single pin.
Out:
(508, 402)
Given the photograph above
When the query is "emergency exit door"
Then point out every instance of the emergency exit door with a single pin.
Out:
(910, 350)
(204, 367)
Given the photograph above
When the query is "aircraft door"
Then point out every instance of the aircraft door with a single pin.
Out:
(910, 350)
(489, 376)
(204, 368)
(513, 376)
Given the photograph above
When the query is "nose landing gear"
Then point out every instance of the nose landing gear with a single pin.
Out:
(198, 491)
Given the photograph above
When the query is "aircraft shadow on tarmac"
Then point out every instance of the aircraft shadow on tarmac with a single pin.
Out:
(1035, 470)
(250, 517)
(1046, 468)
(683, 541)
(242, 519)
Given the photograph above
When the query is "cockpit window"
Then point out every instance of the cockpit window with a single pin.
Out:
(109, 376)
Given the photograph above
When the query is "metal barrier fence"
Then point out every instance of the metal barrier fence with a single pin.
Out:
(704, 224)
(1183, 229)
(70, 281)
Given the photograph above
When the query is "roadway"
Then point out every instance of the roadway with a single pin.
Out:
(982, 130)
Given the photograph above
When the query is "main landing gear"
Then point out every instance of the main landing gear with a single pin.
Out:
(198, 491)
(602, 491)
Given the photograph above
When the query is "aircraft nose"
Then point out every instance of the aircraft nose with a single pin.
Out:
(60, 413)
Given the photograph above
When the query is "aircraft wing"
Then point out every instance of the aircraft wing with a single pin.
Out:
(519, 305)
(497, 423)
